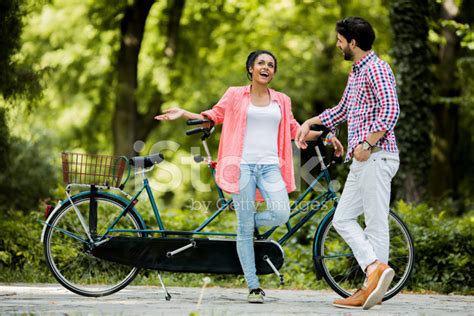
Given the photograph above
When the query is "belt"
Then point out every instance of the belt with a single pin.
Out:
(375, 149)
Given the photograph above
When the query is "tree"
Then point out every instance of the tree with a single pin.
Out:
(449, 163)
(409, 24)
(23, 180)
(15, 79)
(128, 124)
(206, 55)
(10, 31)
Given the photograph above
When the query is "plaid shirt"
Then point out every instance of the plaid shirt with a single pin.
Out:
(369, 104)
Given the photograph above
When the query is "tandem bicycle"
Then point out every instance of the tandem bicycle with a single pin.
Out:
(96, 241)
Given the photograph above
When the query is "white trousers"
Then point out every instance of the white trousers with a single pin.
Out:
(367, 191)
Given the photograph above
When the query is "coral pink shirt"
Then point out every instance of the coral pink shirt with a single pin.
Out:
(231, 111)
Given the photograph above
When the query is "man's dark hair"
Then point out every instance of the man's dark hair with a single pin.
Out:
(357, 28)
(251, 60)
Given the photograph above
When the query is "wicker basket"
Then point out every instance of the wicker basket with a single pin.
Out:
(89, 169)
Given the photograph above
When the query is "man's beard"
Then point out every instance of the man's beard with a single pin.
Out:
(348, 54)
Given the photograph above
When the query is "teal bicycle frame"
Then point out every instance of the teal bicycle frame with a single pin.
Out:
(313, 207)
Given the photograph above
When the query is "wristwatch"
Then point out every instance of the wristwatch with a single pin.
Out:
(366, 145)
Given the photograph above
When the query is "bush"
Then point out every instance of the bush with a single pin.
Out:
(443, 249)
(28, 176)
(21, 253)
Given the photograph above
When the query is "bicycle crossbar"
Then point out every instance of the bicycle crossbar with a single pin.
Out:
(172, 232)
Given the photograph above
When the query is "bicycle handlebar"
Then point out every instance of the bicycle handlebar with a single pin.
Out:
(320, 128)
(196, 130)
(206, 131)
(197, 122)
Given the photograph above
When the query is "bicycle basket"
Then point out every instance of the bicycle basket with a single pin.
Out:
(93, 169)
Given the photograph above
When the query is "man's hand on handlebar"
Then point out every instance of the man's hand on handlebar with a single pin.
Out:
(338, 148)
(307, 132)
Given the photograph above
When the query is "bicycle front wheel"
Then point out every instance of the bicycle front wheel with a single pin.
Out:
(334, 259)
(68, 249)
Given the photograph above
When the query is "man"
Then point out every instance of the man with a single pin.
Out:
(370, 107)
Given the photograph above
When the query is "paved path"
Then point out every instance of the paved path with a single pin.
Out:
(141, 300)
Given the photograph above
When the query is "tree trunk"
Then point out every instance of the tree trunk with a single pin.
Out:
(4, 141)
(128, 124)
(147, 123)
(126, 114)
(411, 53)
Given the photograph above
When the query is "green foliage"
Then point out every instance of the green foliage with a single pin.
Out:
(21, 253)
(466, 117)
(4, 140)
(28, 177)
(214, 40)
(463, 31)
(17, 78)
(444, 248)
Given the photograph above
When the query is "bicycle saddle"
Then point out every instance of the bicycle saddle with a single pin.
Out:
(146, 161)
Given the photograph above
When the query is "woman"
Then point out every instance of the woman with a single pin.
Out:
(254, 152)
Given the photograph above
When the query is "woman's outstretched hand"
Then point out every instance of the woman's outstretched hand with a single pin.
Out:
(170, 114)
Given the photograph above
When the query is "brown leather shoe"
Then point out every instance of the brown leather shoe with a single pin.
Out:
(377, 284)
(356, 300)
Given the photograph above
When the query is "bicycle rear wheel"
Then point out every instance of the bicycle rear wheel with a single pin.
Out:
(67, 248)
(334, 259)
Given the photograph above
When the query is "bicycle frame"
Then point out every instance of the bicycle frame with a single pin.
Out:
(313, 207)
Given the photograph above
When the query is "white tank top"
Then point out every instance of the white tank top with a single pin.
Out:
(261, 134)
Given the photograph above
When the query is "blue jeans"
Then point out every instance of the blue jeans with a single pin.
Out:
(268, 179)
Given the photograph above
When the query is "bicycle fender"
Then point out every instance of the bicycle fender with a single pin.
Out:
(66, 201)
(45, 225)
(317, 266)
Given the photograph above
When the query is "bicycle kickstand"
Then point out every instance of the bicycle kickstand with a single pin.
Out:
(167, 294)
(270, 263)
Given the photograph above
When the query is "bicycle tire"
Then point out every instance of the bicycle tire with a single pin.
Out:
(334, 259)
(70, 259)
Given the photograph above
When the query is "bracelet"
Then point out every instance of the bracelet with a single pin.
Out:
(327, 139)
